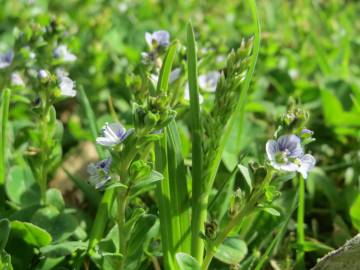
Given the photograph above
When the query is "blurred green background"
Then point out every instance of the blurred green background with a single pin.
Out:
(309, 52)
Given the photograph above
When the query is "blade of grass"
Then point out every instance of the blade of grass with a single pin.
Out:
(169, 229)
(178, 188)
(198, 199)
(94, 129)
(5, 102)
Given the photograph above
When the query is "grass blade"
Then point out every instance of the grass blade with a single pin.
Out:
(178, 188)
(198, 203)
(5, 102)
(169, 228)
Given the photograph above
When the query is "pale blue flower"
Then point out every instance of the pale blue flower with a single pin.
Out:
(6, 59)
(113, 134)
(157, 39)
(208, 81)
(287, 154)
(99, 173)
(62, 53)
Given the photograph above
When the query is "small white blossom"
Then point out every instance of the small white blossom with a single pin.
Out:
(62, 52)
(99, 173)
(113, 134)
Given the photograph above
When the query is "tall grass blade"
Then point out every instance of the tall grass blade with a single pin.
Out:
(4, 112)
(170, 230)
(198, 204)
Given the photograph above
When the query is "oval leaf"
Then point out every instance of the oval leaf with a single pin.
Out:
(187, 262)
(232, 251)
(31, 234)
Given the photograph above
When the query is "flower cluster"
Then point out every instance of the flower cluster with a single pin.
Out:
(287, 154)
(157, 42)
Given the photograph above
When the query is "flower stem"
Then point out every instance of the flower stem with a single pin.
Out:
(300, 254)
(44, 151)
(122, 202)
(245, 211)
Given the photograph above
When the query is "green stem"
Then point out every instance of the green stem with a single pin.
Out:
(300, 254)
(245, 211)
(122, 203)
(44, 150)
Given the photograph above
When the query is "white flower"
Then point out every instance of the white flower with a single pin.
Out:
(66, 84)
(62, 52)
(113, 134)
(208, 81)
(16, 79)
(287, 154)
(157, 39)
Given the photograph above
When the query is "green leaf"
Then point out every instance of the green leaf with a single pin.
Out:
(315, 245)
(63, 249)
(5, 261)
(4, 233)
(30, 233)
(187, 262)
(21, 187)
(231, 251)
(355, 213)
(145, 184)
(198, 207)
(246, 175)
(166, 68)
(59, 224)
(55, 198)
(4, 111)
(272, 211)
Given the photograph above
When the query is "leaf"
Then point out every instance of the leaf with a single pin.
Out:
(30, 233)
(5, 261)
(21, 186)
(166, 68)
(272, 211)
(145, 184)
(59, 224)
(231, 251)
(315, 245)
(246, 175)
(355, 213)
(187, 262)
(63, 249)
(55, 198)
(4, 232)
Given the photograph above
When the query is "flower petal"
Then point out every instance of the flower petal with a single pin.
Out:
(271, 149)
(307, 163)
